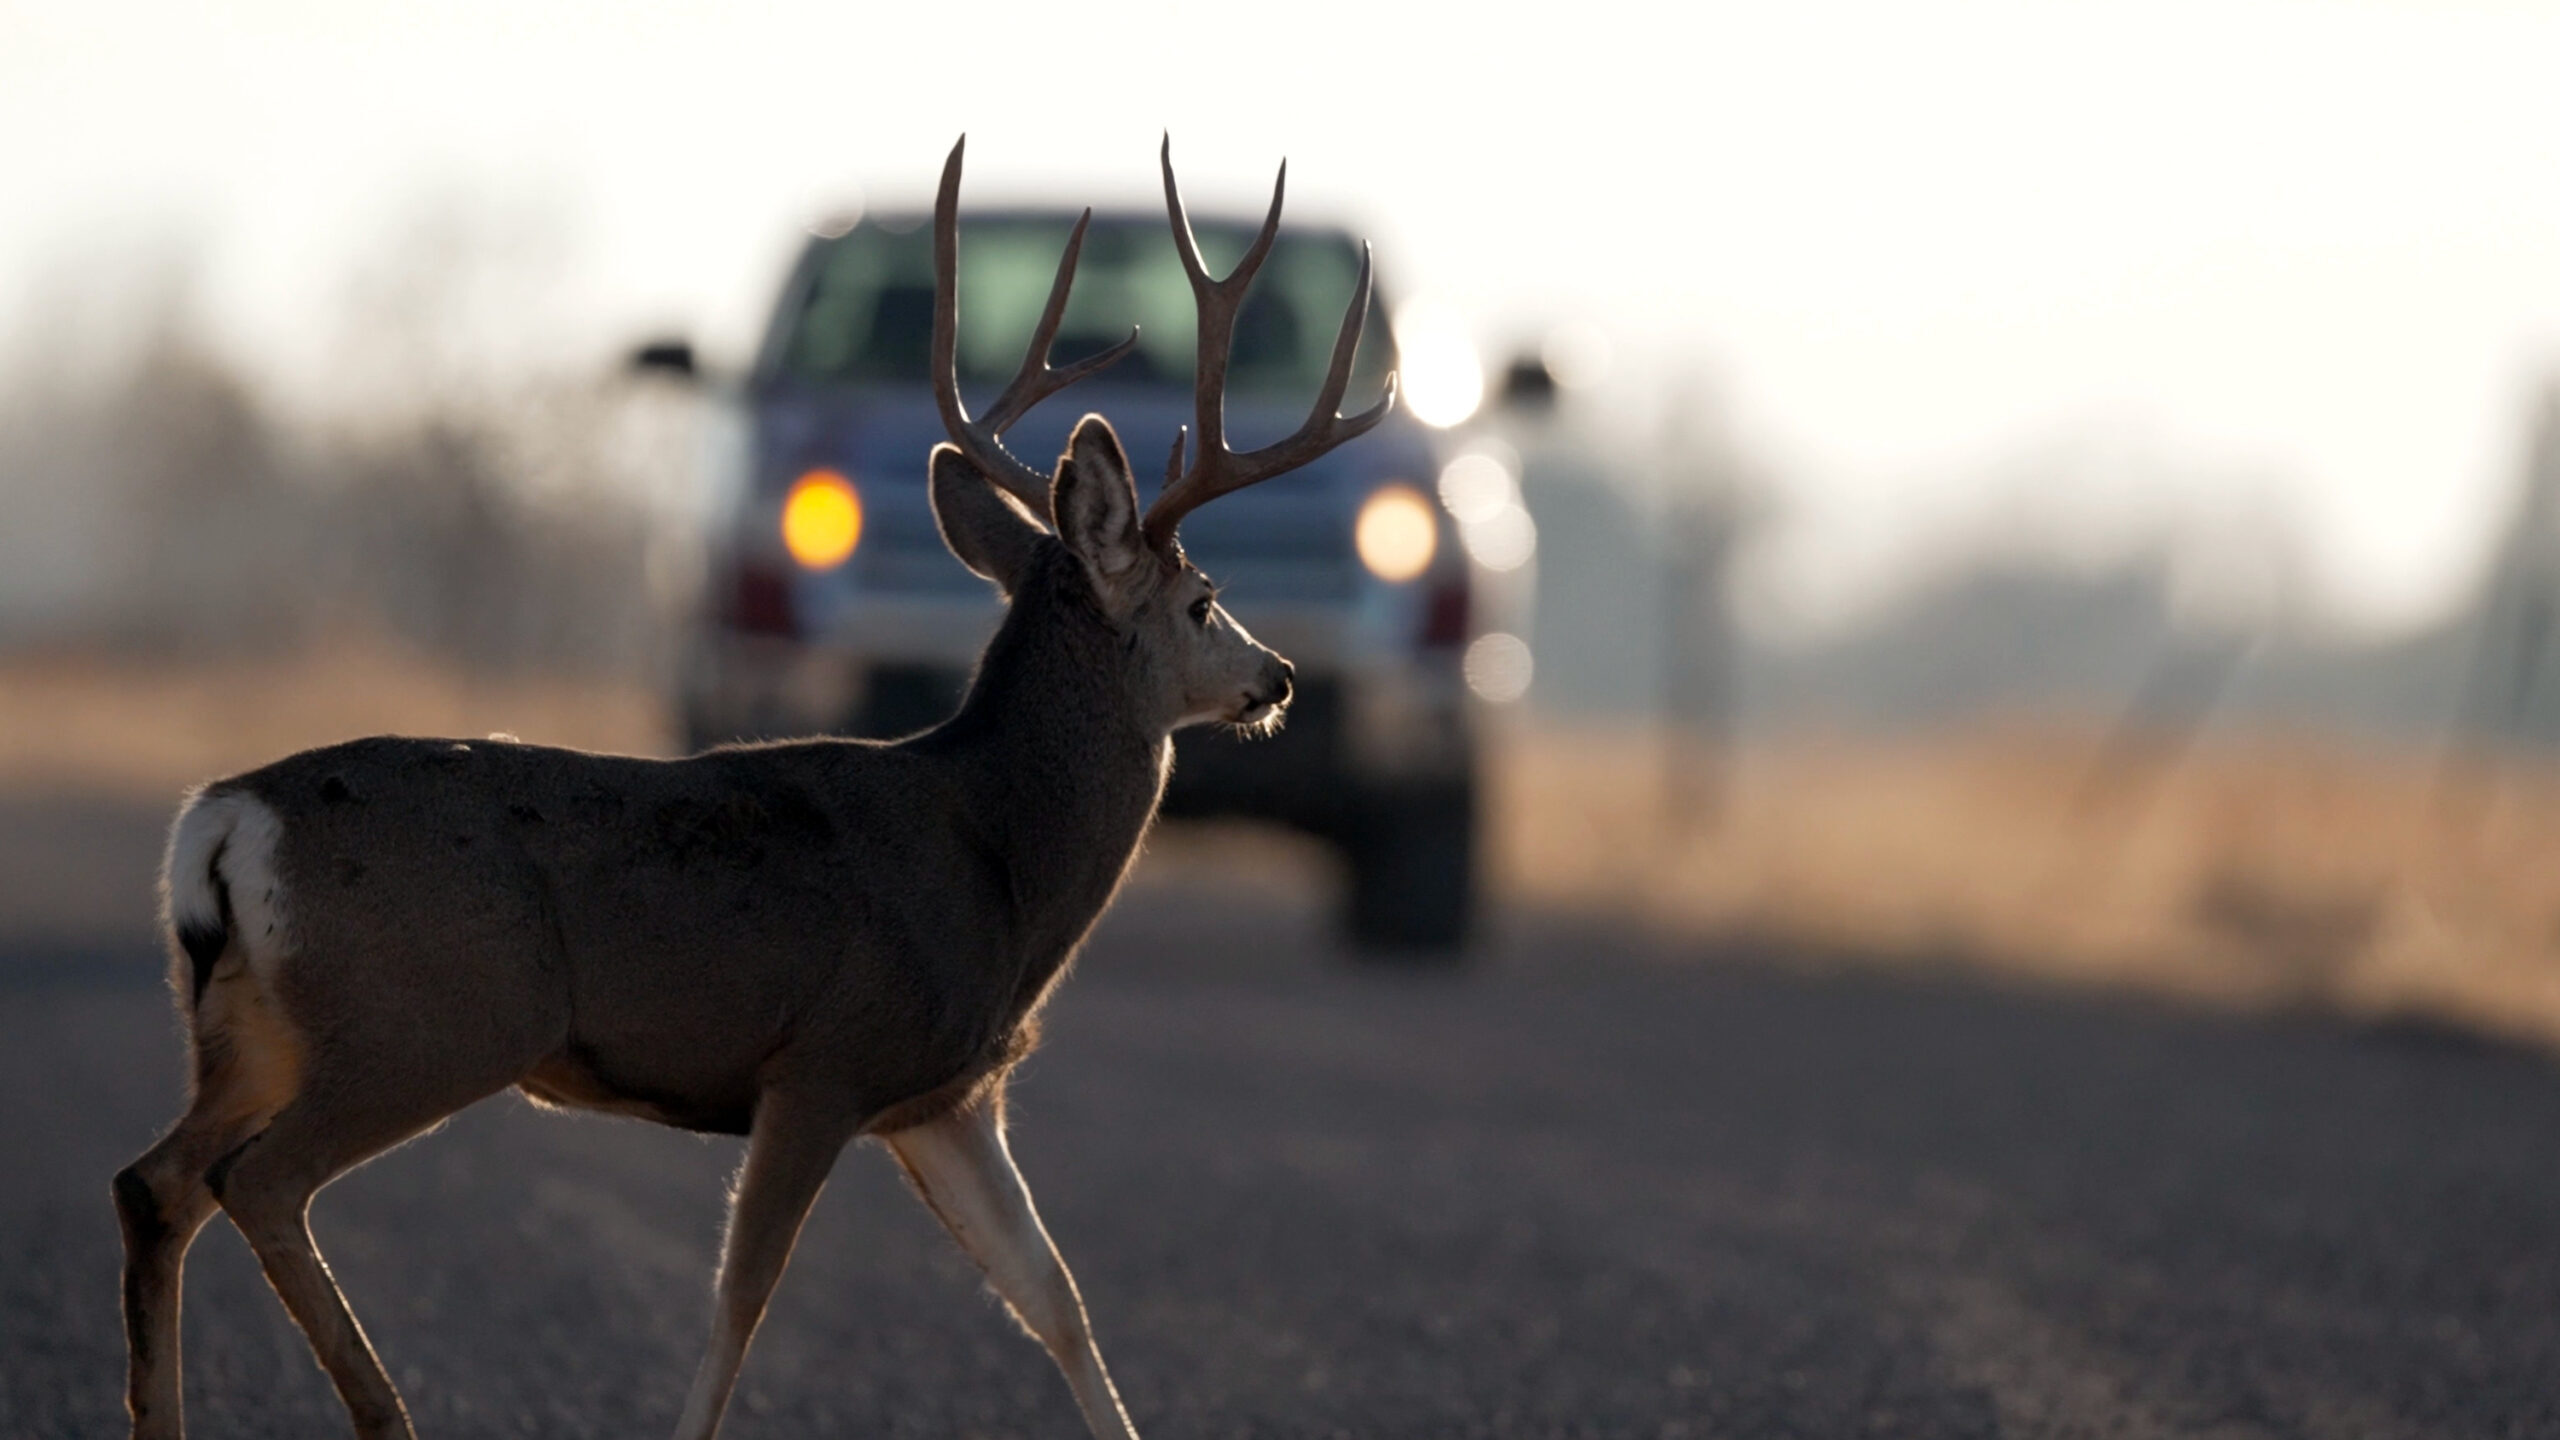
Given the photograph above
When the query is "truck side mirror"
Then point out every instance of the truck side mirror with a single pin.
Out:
(672, 358)
(1528, 386)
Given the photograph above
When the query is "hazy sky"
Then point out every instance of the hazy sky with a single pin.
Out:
(2243, 258)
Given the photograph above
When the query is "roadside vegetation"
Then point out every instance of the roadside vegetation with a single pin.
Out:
(2269, 870)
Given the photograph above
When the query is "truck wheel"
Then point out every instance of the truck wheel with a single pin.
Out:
(1413, 870)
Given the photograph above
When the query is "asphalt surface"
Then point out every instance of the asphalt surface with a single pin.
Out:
(1589, 1187)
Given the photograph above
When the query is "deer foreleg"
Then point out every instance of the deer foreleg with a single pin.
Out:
(965, 1172)
(789, 1152)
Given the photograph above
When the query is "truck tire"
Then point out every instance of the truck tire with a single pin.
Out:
(1413, 873)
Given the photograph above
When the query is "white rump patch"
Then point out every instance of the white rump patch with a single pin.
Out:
(226, 840)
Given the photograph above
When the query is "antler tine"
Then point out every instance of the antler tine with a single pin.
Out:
(1337, 374)
(1215, 470)
(1036, 382)
(1033, 383)
(978, 444)
(1218, 301)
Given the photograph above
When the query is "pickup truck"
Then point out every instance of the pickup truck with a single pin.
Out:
(833, 606)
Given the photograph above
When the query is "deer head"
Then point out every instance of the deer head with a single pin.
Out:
(1190, 661)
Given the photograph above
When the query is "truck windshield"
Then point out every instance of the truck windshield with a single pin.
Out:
(866, 313)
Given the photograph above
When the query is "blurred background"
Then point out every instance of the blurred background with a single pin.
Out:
(1923, 801)
(2070, 490)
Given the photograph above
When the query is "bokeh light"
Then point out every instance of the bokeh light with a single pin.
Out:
(1498, 667)
(1476, 487)
(1503, 540)
(821, 520)
(1483, 494)
(1396, 533)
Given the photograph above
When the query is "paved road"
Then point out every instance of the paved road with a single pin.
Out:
(1589, 1189)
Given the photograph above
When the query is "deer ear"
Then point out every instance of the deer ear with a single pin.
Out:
(1097, 506)
(985, 527)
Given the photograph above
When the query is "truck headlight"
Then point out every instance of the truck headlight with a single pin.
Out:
(1397, 533)
(821, 520)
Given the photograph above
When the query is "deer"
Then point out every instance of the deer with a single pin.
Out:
(805, 942)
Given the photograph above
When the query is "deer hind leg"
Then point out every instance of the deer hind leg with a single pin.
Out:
(337, 1122)
(163, 1201)
(965, 1172)
(248, 1064)
(790, 1150)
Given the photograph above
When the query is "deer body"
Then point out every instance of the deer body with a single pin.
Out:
(663, 938)
(803, 943)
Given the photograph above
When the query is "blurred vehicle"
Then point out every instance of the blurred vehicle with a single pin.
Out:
(833, 605)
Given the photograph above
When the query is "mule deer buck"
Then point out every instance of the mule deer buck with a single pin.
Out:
(803, 943)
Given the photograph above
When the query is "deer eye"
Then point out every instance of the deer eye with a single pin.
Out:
(1200, 609)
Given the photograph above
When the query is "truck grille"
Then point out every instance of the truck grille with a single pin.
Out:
(1261, 545)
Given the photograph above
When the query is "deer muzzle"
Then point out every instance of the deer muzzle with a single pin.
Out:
(1278, 684)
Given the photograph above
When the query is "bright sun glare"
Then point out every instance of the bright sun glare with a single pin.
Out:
(1441, 378)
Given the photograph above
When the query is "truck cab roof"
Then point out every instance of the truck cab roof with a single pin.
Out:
(859, 307)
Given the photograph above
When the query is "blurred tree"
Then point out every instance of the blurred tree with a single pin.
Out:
(2508, 698)
(1708, 500)
(470, 504)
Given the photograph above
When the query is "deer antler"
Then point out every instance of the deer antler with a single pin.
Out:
(980, 440)
(1215, 469)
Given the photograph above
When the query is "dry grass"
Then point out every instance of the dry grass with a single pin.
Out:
(2265, 870)
(2262, 870)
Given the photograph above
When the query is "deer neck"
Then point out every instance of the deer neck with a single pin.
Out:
(1062, 771)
